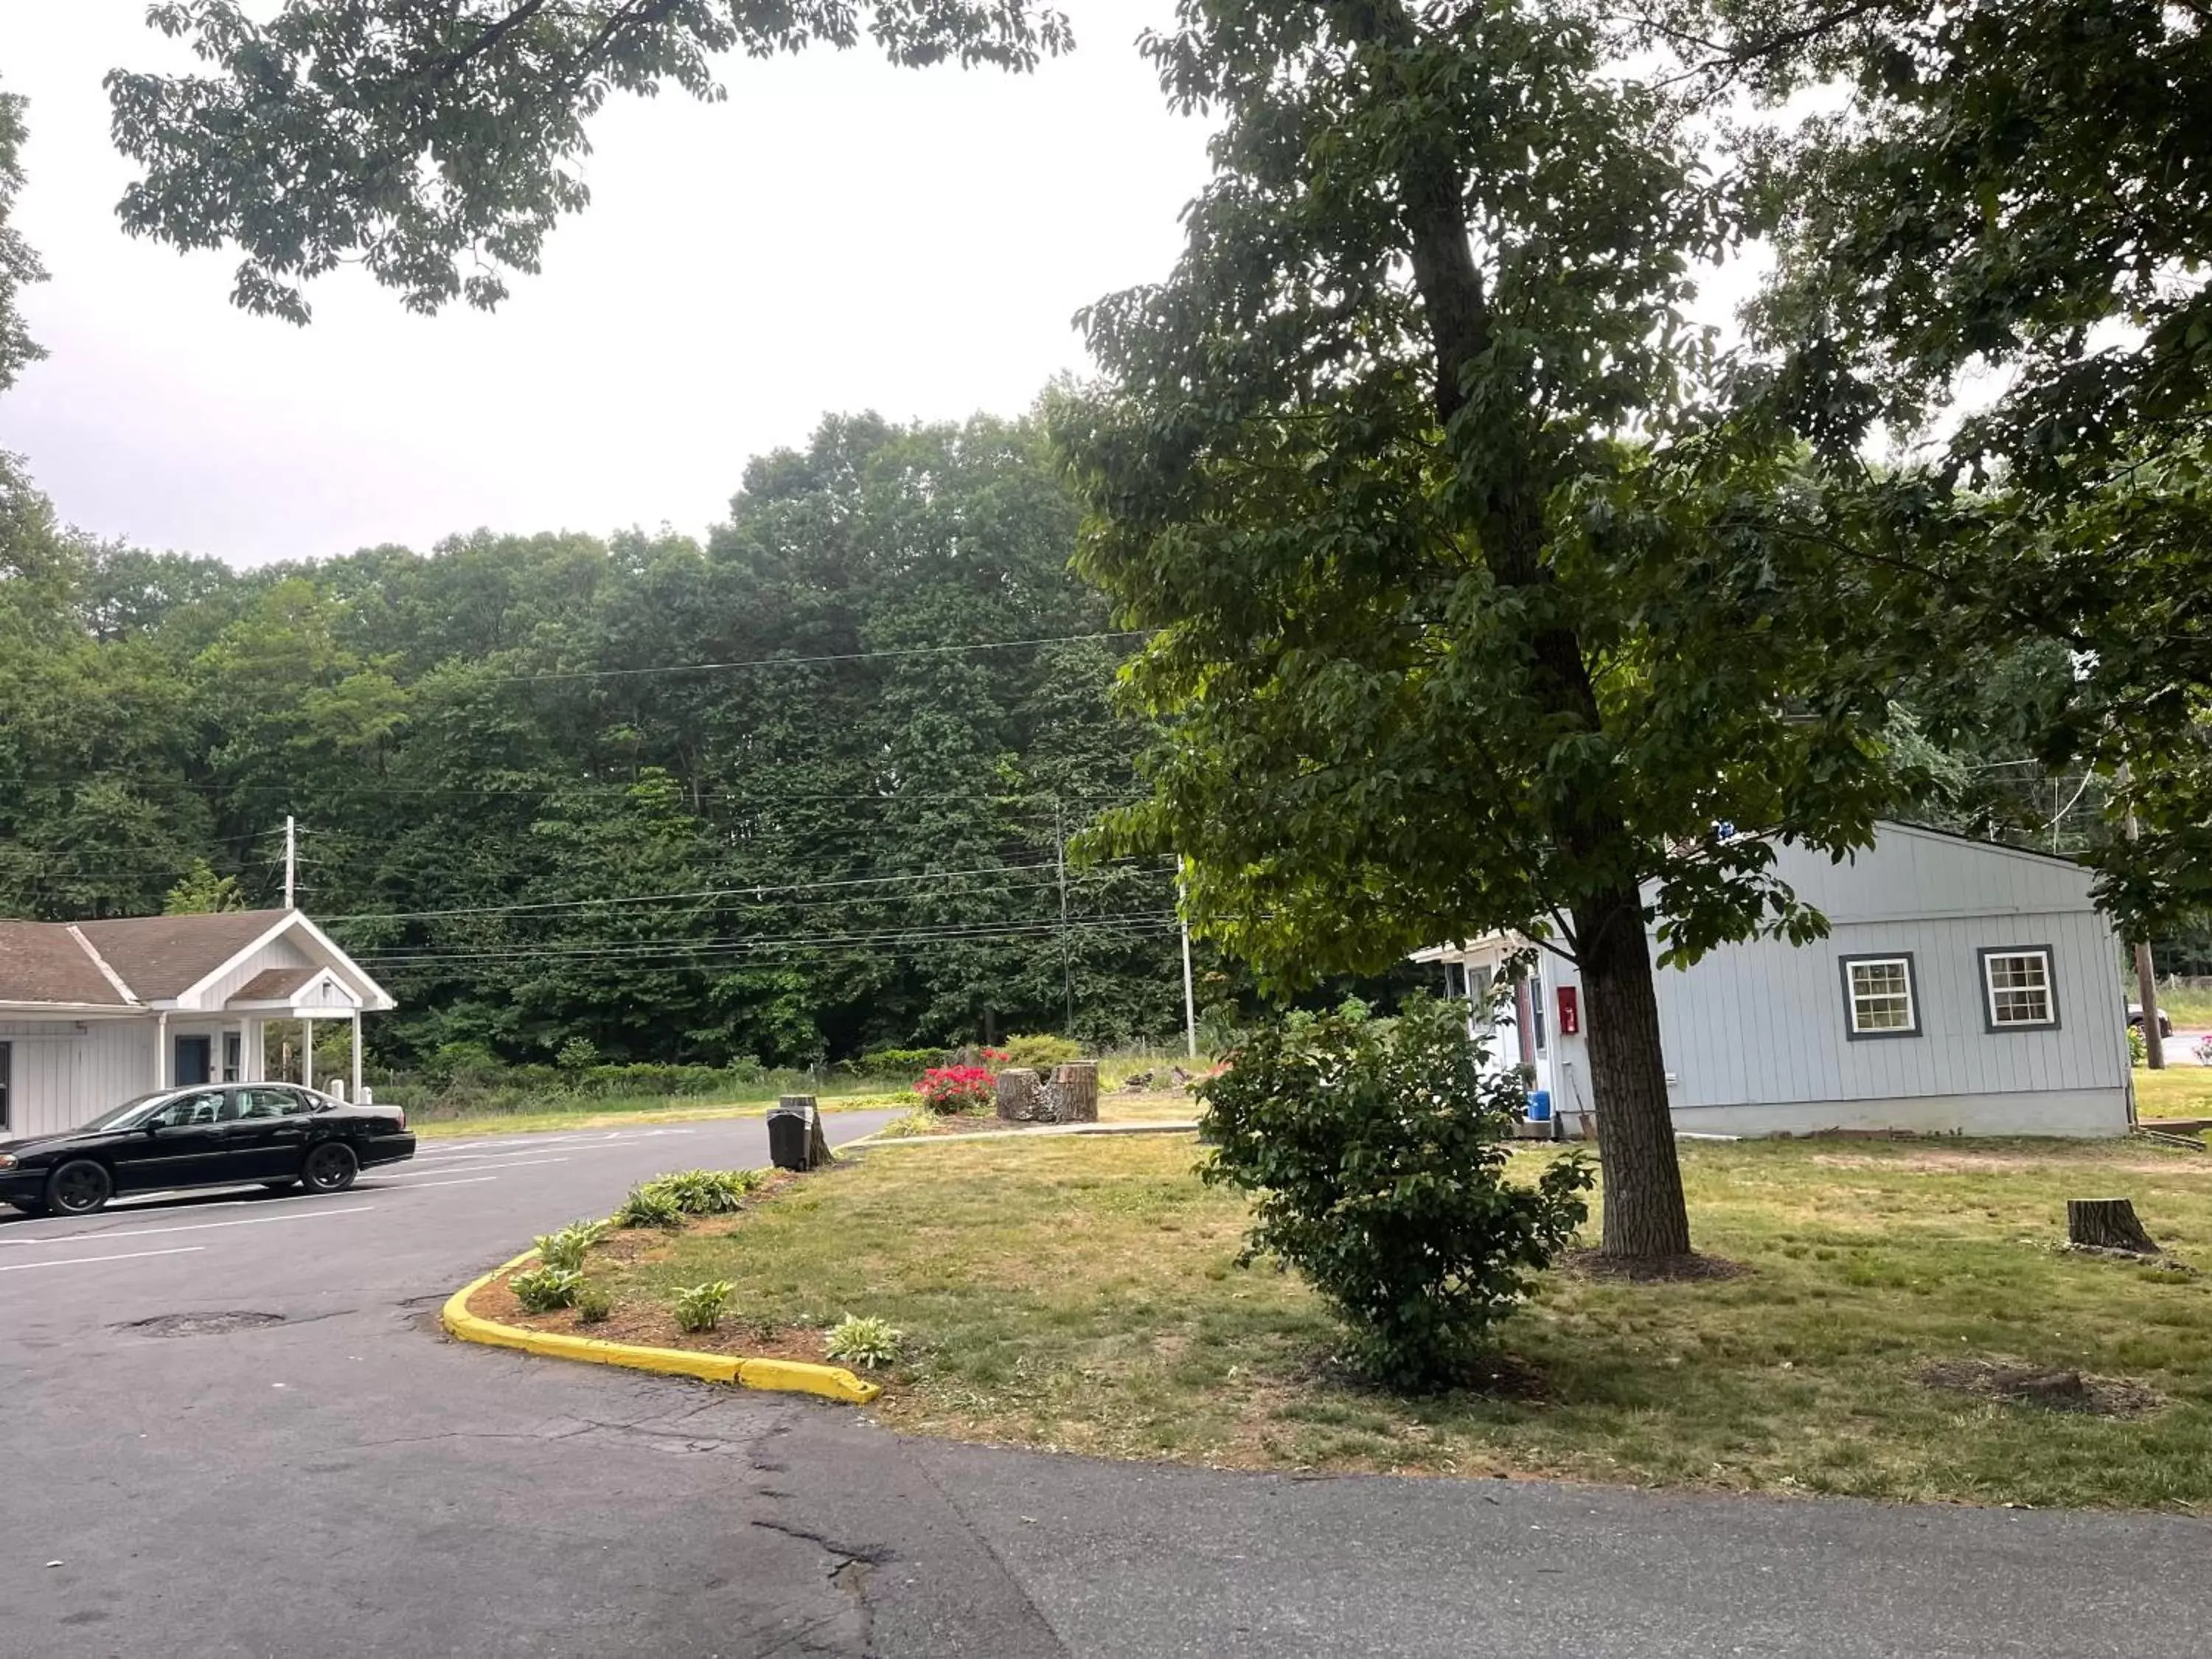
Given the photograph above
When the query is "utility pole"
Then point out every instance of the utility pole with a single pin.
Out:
(291, 860)
(1066, 968)
(2145, 975)
(1189, 1002)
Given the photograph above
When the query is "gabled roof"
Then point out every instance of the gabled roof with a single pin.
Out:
(43, 962)
(163, 956)
(271, 984)
(141, 961)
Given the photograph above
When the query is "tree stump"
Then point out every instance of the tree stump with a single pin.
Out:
(1022, 1097)
(1075, 1092)
(2106, 1224)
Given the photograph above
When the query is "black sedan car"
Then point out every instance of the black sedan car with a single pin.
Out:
(233, 1134)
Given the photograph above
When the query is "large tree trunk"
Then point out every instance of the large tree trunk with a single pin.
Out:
(1646, 1217)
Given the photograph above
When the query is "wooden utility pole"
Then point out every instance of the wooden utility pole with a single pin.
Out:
(1067, 967)
(2146, 977)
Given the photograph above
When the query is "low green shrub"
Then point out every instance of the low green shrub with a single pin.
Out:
(544, 1289)
(1375, 1152)
(900, 1063)
(1041, 1054)
(707, 1192)
(566, 1247)
(578, 1054)
(915, 1122)
(867, 1342)
(650, 1206)
(699, 1307)
(593, 1303)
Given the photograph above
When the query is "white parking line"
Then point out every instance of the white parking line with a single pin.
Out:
(187, 1227)
(503, 1163)
(85, 1260)
(465, 1181)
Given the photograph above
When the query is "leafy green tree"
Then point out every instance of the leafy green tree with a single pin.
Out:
(19, 265)
(436, 145)
(202, 892)
(1474, 610)
(1990, 245)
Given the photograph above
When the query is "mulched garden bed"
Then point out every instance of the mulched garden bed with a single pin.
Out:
(652, 1324)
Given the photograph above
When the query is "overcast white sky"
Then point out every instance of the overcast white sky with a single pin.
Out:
(839, 235)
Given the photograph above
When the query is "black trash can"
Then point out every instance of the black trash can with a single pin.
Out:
(793, 1132)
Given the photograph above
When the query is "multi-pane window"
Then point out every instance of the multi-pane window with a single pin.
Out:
(1878, 996)
(2017, 984)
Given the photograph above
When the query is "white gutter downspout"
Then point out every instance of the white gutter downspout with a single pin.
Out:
(161, 1048)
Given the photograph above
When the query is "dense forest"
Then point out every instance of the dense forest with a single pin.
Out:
(798, 792)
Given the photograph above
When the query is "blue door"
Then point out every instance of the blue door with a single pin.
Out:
(195, 1061)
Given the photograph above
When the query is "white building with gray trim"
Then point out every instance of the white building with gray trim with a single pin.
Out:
(95, 1012)
(1965, 988)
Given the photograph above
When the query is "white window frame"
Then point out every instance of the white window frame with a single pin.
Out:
(1858, 1033)
(1994, 953)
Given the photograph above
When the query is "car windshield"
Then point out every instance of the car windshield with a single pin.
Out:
(123, 1116)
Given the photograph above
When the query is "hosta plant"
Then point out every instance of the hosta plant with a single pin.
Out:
(650, 1206)
(567, 1248)
(707, 1192)
(865, 1341)
(699, 1307)
(542, 1290)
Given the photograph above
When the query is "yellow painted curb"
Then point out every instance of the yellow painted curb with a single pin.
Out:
(786, 1375)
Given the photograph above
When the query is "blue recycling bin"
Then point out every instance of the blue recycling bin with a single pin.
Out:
(1540, 1106)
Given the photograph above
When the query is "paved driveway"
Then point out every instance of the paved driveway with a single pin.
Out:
(337, 1479)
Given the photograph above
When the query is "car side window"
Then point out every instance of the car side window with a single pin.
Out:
(205, 1107)
(246, 1104)
(289, 1103)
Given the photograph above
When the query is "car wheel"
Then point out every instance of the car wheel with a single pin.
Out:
(330, 1167)
(79, 1187)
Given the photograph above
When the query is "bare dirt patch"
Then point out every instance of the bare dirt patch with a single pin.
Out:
(2060, 1390)
(1593, 1264)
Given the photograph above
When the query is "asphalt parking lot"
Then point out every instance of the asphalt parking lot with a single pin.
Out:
(235, 1431)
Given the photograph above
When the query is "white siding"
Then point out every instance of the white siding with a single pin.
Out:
(61, 1076)
(285, 952)
(1757, 1039)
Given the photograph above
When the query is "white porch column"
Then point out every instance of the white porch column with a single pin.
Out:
(355, 1096)
(253, 1063)
(161, 1048)
(307, 1053)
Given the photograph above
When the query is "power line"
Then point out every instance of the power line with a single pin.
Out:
(806, 662)
(758, 890)
(687, 949)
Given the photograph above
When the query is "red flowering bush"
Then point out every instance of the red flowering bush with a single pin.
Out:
(948, 1088)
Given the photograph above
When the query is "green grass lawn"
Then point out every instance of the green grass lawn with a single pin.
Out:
(644, 1108)
(2189, 1009)
(2184, 1091)
(1083, 1294)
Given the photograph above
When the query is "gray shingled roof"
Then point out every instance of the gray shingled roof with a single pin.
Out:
(162, 957)
(273, 984)
(40, 962)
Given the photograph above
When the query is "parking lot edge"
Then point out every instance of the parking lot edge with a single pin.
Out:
(783, 1376)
